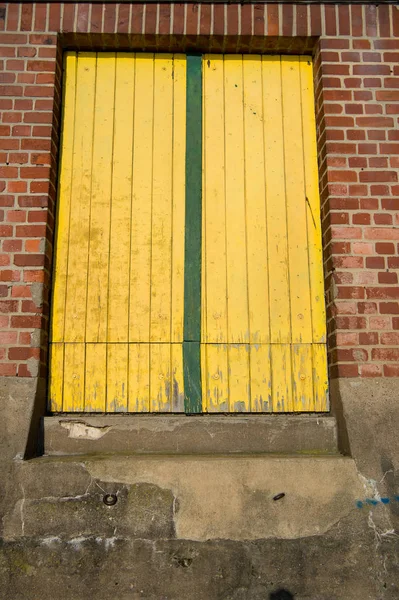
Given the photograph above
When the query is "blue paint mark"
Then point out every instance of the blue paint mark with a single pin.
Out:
(372, 501)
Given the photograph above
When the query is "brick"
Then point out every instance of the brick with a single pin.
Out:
(272, 20)
(385, 354)
(391, 370)
(26, 322)
(389, 308)
(387, 278)
(382, 292)
(21, 291)
(380, 323)
(371, 176)
(351, 323)
(361, 219)
(382, 233)
(370, 370)
(362, 248)
(383, 219)
(23, 353)
(8, 369)
(8, 306)
(385, 248)
(29, 260)
(367, 308)
(375, 262)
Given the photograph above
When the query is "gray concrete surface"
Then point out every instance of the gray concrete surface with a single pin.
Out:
(172, 434)
(193, 527)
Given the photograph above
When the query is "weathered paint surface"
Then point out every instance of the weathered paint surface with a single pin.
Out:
(263, 323)
(120, 307)
(117, 318)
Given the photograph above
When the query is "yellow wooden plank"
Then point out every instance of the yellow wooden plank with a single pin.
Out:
(320, 377)
(117, 377)
(121, 201)
(239, 378)
(76, 294)
(64, 199)
(281, 378)
(179, 196)
(139, 378)
(215, 387)
(161, 245)
(97, 283)
(177, 378)
(96, 378)
(140, 270)
(261, 385)
(56, 377)
(74, 377)
(160, 388)
(302, 377)
(255, 201)
(279, 293)
(236, 234)
(312, 201)
(301, 324)
(214, 209)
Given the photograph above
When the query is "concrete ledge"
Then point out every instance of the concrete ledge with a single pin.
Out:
(210, 434)
(183, 497)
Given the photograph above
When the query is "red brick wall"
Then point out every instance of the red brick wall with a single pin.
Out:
(356, 56)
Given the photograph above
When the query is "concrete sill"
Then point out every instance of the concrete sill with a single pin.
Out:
(181, 434)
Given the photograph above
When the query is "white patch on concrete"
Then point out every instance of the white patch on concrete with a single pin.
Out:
(77, 542)
(79, 430)
(50, 541)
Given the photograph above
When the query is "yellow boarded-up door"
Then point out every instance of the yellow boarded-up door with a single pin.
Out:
(188, 270)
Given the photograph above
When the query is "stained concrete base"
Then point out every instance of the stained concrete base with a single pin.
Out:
(203, 527)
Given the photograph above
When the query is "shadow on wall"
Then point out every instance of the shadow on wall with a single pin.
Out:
(281, 595)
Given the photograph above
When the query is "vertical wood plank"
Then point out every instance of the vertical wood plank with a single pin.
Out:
(96, 378)
(215, 318)
(315, 248)
(301, 325)
(140, 270)
(75, 306)
(56, 377)
(279, 292)
(177, 378)
(178, 197)
(281, 378)
(192, 241)
(74, 377)
(302, 378)
(117, 377)
(64, 199)
(320, 377)
(216, 395)
(160, 380)
(239, 378)
(97, 281)
(255, 201)
(236, 234)
(161, 244)
(139, 378)
(261, 385)
(119, 259)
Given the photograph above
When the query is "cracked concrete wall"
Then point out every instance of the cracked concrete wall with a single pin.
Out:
(205, 527)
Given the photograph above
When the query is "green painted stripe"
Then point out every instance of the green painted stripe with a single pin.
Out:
(193, 234)
(192, 377)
